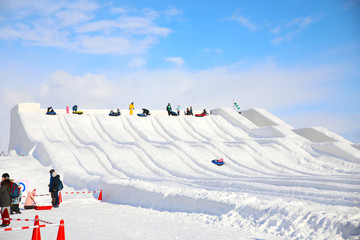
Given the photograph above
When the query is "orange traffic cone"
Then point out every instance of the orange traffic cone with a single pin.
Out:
(6, 217)
(61, 232)
(100, 196)
(60, 198)
(36, 231)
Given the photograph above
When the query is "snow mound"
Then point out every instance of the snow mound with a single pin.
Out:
(274, 179)
(319, 134)
(263, 118)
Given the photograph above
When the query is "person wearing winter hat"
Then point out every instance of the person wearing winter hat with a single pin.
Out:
(5, 199)
(5, 176)
(30, 200)
(54, 187)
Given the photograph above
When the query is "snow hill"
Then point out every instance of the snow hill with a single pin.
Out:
(293, 183)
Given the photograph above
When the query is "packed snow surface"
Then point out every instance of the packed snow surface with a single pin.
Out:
(277, 182)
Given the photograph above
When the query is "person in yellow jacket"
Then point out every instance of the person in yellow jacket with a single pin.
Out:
(131, 107)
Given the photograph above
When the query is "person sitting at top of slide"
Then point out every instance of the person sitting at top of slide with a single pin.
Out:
(145, 111)
(50, 109)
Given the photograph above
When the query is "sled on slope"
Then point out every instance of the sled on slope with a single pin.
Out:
(78, 112)
(114, 114)
(172, 113)
(141, 114)
(201, 115)
(51, 113)
(218, 162)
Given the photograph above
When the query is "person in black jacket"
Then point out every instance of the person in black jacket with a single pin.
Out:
(5, 199)
(54, 187)
(146, 111)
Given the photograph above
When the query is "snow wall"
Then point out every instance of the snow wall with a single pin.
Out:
(274, 175)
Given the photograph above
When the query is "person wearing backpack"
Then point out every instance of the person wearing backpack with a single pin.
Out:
(54, 186)
(5, 199)
(15, 194)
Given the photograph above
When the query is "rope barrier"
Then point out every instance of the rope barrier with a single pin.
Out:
(17, 219)
(29, 227)
(27, 220)
(37, 226)
(48, 194)
(81, 192)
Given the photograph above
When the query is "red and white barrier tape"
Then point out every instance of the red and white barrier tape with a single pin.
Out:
(27, 220)
(17, 219)
(48, 194)
(29, 227)
(46, 221)
(80, 192)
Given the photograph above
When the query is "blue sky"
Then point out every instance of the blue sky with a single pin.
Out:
(298, 59)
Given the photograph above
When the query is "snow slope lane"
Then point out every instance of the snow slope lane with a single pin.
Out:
(272, 172)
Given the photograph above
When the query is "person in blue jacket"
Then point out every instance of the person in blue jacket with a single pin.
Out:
(74, 108)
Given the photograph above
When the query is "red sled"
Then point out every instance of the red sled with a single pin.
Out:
(201, 115)
(43, 207)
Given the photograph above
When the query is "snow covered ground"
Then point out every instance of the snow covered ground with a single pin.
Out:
(158, 181)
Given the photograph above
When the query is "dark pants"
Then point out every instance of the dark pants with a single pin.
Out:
(14, 208)
(55, 198)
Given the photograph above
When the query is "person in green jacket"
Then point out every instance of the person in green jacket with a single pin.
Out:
(168, 108)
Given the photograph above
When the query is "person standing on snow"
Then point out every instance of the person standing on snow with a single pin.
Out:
(54, 187)
(15, 201)
(131, 108)
(168, 108)
(5, 199)
(178, 109)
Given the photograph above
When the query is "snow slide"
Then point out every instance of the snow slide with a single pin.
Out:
(292, 183)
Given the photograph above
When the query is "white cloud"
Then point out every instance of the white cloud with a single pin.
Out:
(63, 89)
(137, 63)
(237, 17)
(176, 60)
(82, 26)
(291, 29)
(172, 11)
(132, 25)
(118, 10)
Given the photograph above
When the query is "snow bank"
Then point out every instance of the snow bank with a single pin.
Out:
(270, 175)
